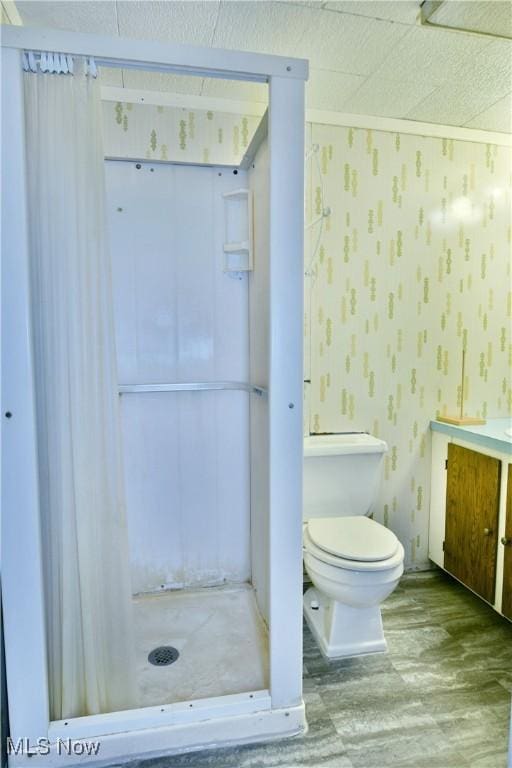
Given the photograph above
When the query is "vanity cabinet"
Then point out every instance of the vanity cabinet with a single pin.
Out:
(470, 530)
(471, 524)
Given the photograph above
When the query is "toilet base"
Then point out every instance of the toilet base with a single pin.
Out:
(342, 630)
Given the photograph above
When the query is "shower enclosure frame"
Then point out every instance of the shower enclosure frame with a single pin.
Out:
(278, 711)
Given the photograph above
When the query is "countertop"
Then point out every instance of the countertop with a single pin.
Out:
(493, 434)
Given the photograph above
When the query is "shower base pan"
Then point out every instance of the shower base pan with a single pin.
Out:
(219, 634)
(215, 694)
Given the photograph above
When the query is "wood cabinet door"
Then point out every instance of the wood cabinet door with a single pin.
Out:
(472, 507)
(506, 605)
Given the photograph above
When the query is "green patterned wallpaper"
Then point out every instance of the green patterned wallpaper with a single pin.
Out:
(175, 133)
(413, 265)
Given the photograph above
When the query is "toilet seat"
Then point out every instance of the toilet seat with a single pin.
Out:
(353, 538)
(378, 548)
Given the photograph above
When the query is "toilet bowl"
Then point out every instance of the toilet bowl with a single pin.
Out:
(353, 562)
(352, 573)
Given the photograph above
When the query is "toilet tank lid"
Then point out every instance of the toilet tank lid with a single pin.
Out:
(353, 538)
(343, 443)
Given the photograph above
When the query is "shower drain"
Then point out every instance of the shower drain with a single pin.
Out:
(163, 656)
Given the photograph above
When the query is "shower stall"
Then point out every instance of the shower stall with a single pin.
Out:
(206, 263)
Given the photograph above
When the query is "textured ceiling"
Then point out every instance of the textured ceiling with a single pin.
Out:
(367, 57)
(488, 16)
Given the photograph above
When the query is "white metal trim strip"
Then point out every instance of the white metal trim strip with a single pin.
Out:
(176, 739)
(22, 573)
(179, 713)
(150, 54)
(286, 279)
(259, 136)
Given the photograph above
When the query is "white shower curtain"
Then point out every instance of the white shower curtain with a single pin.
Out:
(88, 600)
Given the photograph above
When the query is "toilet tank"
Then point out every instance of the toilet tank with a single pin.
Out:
(342, 474)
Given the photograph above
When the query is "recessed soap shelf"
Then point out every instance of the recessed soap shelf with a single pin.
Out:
(238, 243)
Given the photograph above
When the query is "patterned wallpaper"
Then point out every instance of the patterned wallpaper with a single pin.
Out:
(145, 131)
(412, 266)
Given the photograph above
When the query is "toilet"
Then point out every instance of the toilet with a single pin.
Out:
(353, 562)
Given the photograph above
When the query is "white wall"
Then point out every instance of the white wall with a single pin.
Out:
(179, 318)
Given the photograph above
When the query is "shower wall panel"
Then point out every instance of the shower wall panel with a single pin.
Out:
(180, 318)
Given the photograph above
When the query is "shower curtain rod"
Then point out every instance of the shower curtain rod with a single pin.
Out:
(151, 67)
(174, 70)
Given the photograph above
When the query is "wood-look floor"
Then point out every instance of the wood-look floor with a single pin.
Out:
(440, 698)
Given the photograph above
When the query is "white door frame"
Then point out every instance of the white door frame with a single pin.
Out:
(22, 581)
